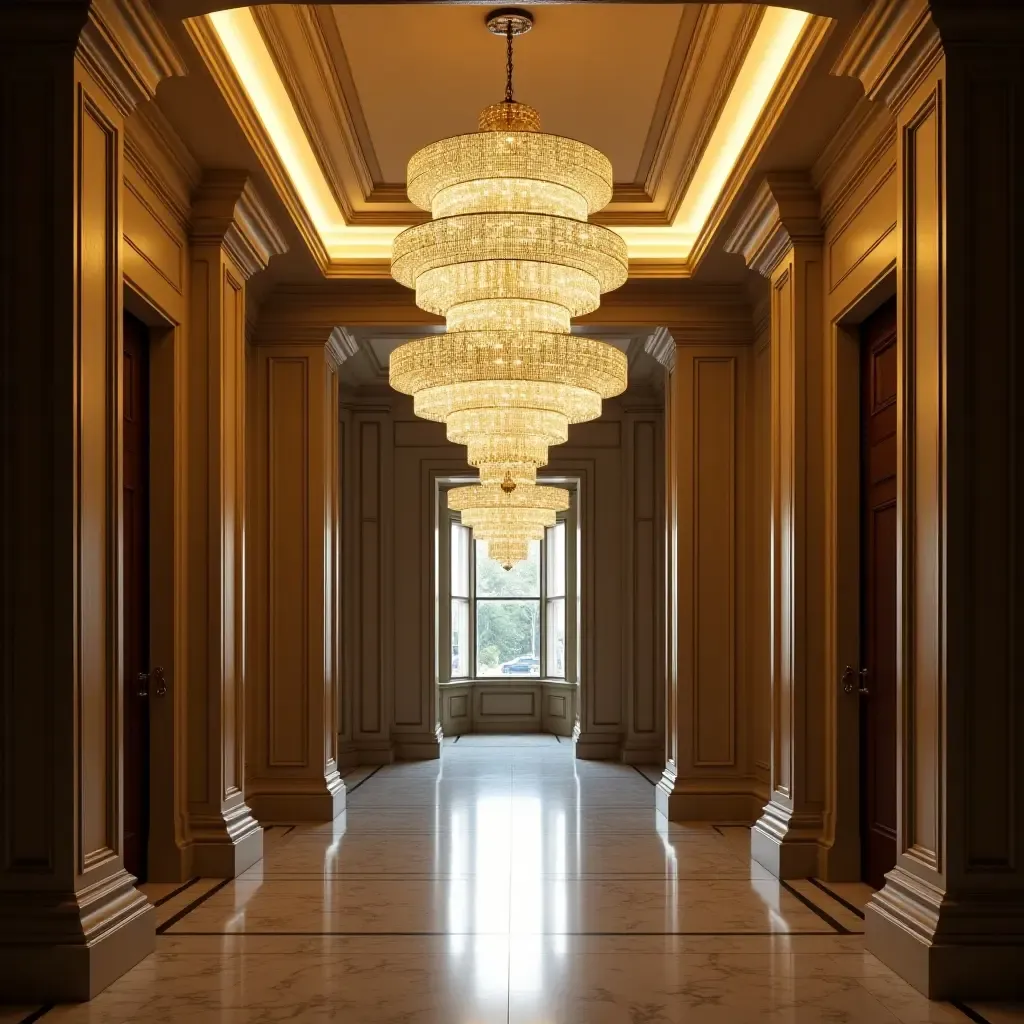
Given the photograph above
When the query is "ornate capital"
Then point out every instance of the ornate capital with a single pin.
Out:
(784, 213)
(893, 45)
(662, 346)
(228, 211)
(128, 51)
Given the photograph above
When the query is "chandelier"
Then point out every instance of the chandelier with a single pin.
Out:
(509, 259)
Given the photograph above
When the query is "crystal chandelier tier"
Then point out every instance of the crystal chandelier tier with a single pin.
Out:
(509, 258)
(508, 518)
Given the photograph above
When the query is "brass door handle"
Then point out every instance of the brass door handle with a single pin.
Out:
(158, 680)
(853, 680)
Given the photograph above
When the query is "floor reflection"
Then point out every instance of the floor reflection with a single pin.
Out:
(508, 882)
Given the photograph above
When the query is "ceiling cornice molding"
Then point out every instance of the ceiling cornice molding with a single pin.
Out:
(205, 39)
(228, 211)
(893, 46)
(867, 134)
(162, 160)
(784, 212)
(662, 346)
(128, 51)
(342, 344)
(724, 83)
(814, 35)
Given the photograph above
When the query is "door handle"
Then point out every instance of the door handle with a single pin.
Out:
(854, 679)
(157, 678)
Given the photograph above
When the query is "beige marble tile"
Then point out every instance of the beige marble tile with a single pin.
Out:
(549, 983)
(477, 905)
(566, 853)
(15, 1014)
(830, 906)
(1000, 1013)
(638, 905)
(461, 986)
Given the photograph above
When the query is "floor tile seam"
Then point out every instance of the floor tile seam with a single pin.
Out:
(969, 1012)
(175, 892)
(856, 911)
(659, 879)
(509, 935)
(196, 903)
(814, 908)
(198, 888)
(36, 1014)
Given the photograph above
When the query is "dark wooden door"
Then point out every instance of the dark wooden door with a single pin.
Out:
(136, 592)
(878, 565)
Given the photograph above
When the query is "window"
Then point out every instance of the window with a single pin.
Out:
(554, 600)
(460, 542)
(509, 624)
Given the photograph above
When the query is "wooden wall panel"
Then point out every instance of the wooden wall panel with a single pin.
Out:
(98, 486)
(371, 682)
(923, 485)
(288, 490)
(863, 240)
(760, 627)
(154, 254)
(714, 560)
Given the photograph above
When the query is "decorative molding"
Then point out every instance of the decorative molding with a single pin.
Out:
(228, 211)
(662, 346)
(814, 35)
(866, 135)
(785, 210)
(128, 51)
(206, 42)
(162, 160)
(342, 345)
(893, 46)
(750, 23)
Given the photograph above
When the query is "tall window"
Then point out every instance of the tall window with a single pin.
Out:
(508, 623)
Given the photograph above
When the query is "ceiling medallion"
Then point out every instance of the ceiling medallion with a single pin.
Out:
(508, 259)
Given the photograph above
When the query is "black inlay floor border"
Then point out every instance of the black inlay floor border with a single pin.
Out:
(856, 911)
(36, 1014)
(968, 1012)
(197, 902)
(815, 909)
(352, 789)
(415, 935)
(643, 775)
(176, 892)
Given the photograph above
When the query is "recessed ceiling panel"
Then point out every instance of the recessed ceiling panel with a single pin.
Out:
(424, 72)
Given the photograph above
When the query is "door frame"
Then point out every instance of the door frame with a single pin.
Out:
(841, 855)
(168, 854)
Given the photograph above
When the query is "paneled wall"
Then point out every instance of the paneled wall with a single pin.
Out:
(391, 464)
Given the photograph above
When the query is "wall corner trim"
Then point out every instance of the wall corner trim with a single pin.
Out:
(785, 210)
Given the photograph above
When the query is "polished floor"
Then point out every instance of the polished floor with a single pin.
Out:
(509, 884)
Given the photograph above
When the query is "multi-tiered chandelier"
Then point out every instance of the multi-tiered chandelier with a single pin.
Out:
(508, 259)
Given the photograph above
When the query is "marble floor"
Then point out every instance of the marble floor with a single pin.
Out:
(508, 883)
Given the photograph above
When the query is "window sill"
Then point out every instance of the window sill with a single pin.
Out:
(505, 680)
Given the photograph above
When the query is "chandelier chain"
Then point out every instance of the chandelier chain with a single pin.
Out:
(508, 64)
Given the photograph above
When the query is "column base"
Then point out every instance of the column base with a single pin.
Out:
(597, 746)
(293, 800)
(723, 800)
(786, 843)
(375, 752)
(424, 746)
(971, 949)
(640, 752)
(227, 845)
(68, 948)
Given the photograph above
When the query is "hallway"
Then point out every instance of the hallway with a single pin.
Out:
(507, 882)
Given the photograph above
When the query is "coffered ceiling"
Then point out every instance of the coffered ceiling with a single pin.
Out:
(335, 99)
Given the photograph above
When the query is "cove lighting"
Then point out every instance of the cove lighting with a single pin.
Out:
(774, 43)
